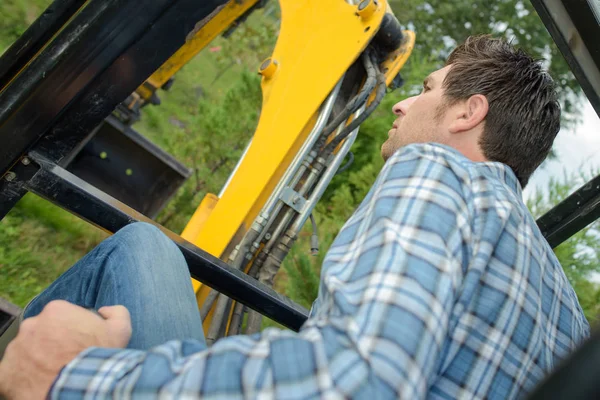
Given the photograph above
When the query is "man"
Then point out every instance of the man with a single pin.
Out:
(440, 285)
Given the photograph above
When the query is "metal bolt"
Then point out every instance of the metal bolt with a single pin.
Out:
(296, 199)
(366, 9)
(10, 176)
(26, 161)
(267, 236)
(268, 68)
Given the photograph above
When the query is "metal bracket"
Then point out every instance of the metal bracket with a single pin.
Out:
(293, 199)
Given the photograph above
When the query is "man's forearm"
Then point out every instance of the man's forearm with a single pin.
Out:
(277, 364)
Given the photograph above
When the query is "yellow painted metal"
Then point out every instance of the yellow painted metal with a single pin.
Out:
(197, 221)
(318, 41)
(396, 60)
(205, 33)
(200, 216)
(145, 91)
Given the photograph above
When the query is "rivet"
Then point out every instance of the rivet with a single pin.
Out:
(10, 176)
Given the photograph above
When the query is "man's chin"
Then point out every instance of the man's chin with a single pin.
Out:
(391, 146)
(387, 150)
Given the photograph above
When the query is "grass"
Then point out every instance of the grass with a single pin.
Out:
(39, 241)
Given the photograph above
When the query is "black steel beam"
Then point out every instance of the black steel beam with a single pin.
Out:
(161, 38)
(102, 55)
(11, 187)
(8, 313)
(572, 214)
(75, 195)
(573, 28)
(586, 24)
(35, 37)
(10, 194)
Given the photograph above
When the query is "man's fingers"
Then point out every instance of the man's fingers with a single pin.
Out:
(119, 323)
(114, 312)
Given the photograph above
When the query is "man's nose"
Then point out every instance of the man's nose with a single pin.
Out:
(402, 107)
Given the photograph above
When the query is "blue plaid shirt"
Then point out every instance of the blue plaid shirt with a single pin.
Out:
(439, 286)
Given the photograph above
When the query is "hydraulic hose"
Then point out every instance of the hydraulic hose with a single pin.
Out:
(356, 102)
(381, 88)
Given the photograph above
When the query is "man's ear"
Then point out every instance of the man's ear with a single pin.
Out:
(470, 114)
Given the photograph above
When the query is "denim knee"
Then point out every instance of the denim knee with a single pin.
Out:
(144, 241)
(141, 232)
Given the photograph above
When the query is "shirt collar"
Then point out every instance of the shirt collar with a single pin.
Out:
(498, 169)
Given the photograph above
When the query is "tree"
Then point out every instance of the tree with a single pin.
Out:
(211, 144)
(441, 25)
(250, 42)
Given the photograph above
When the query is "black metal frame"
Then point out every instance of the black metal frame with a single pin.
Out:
(8, 313)
(577, 39)
(572, 214)
(55, 184)
(112, 149)
(105, 50)
(576, 377)
(36, 36)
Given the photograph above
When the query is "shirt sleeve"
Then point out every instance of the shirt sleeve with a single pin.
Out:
(387, 293)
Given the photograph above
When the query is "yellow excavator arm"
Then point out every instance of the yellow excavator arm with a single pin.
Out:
(330, 68)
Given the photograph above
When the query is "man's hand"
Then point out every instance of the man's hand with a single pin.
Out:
(49, 341)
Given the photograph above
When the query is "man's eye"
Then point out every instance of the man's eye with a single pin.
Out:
(426, 88)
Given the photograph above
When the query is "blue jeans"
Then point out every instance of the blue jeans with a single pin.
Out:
(140, 268)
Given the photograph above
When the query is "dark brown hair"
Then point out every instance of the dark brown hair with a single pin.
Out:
(524, 114)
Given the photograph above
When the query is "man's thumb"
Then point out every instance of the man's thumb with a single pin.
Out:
(119, 324)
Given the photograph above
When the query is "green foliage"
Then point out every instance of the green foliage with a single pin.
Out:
(440, 25)
(303, 278)
(16, 16)
(252, 41)
(211, 143)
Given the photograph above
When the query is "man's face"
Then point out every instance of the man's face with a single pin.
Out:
(419, 119)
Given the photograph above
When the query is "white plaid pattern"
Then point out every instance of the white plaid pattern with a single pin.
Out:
(439, 286)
